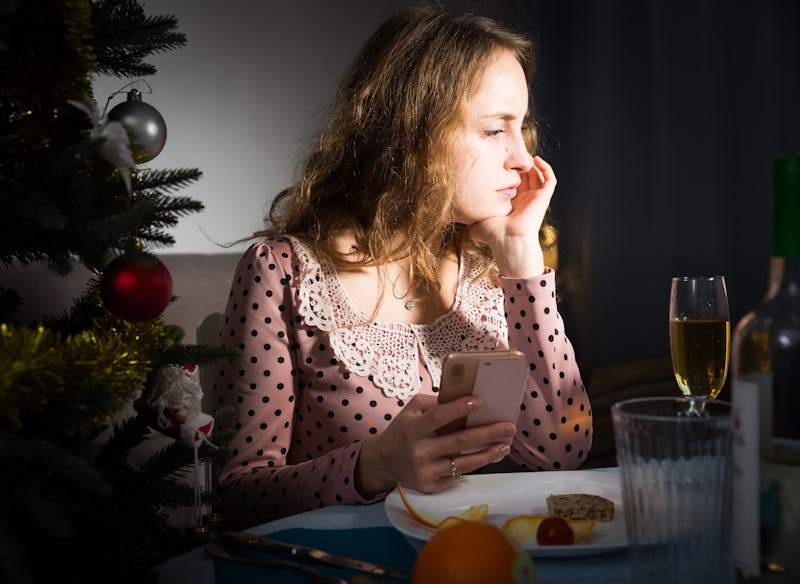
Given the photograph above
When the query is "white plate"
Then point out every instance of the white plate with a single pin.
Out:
(510, 494)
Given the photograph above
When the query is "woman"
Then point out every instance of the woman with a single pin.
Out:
(414, 230)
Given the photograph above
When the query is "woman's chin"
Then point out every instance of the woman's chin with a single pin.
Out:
(473, 218)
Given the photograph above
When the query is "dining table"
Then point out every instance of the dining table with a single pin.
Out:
(367, 533)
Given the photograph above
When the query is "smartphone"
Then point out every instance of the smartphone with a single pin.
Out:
(498, 377)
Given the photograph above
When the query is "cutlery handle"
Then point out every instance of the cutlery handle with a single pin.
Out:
(221, 553)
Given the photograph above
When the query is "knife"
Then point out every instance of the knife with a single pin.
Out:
(248, 541)
(219, 552)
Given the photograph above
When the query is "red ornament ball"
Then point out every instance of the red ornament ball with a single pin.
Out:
(136, 287)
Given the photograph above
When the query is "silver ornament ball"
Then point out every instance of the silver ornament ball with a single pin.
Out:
(146, 127)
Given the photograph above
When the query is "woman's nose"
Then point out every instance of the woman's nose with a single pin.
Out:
(518, 157)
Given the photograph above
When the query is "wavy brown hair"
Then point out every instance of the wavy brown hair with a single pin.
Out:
(381, 167)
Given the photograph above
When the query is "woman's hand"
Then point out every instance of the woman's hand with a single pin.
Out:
(514, 238)
(410, 452)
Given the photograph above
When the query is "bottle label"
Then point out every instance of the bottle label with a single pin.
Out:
(746, 521)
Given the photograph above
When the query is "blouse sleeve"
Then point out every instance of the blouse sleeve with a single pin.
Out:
(255, 480)
(554, 427)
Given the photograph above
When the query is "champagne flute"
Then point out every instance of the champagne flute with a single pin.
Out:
(699, 337)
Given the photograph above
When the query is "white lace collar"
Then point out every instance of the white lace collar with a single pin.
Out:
(389, 352)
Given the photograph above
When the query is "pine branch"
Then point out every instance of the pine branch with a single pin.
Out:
(124, 35)
(47, 495)
(58, 467)
(111, 458)
(167, 209)
(23, 257)
(155, 238)
(177, 206)
(146, 216)
(160, 214)
(57, 208)
(40, 209)
(167, 180)
(174, 463)
(83, 313)
(124, 224)
(173, 494)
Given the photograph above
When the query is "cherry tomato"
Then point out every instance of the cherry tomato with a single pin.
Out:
(554, 531)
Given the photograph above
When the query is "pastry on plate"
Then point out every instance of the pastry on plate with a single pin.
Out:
(580, 506)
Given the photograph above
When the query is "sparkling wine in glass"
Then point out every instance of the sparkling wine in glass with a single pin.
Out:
(699, 337)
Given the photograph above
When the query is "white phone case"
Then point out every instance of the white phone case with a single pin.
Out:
(498, 377)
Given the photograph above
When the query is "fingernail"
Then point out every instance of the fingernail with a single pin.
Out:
(474, 403)
(502, 452)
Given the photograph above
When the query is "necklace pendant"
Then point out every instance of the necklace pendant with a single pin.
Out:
(409, 305)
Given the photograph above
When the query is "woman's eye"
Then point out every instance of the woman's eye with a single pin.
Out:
(492, 132)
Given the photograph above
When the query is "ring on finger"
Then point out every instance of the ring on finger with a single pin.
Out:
(453, 469)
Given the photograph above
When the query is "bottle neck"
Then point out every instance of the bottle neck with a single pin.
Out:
(784, 276)
(786, 207)
(785, 264)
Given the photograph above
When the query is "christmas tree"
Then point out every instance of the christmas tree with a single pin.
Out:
(73, 189)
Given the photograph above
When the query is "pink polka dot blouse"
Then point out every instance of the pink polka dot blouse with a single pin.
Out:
(315, 377)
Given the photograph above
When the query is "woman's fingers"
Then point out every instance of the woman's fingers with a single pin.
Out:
(540, 174)
(540, 184)
(474, 438)
(412, 453)
(465, 463)
(546, 171)
(444, 471)
(445, 413)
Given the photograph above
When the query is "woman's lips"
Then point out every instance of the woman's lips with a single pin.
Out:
(510, 191)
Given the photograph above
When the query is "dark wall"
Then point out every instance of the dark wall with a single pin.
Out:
(661, 120)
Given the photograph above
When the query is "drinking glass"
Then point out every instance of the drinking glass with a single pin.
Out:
(676, 473)
(699, 337)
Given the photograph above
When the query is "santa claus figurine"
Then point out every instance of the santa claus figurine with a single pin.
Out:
(172, 404)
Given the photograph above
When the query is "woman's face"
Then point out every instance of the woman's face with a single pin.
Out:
(490, 152)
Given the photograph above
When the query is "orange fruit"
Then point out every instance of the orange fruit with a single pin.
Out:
(472, 552)
(418, 515)
(580, 527)
(522, 528)
(471, 513)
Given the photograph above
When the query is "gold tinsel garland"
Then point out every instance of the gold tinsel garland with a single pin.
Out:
(39, 369)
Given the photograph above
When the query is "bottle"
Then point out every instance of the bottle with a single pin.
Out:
(766, 399)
